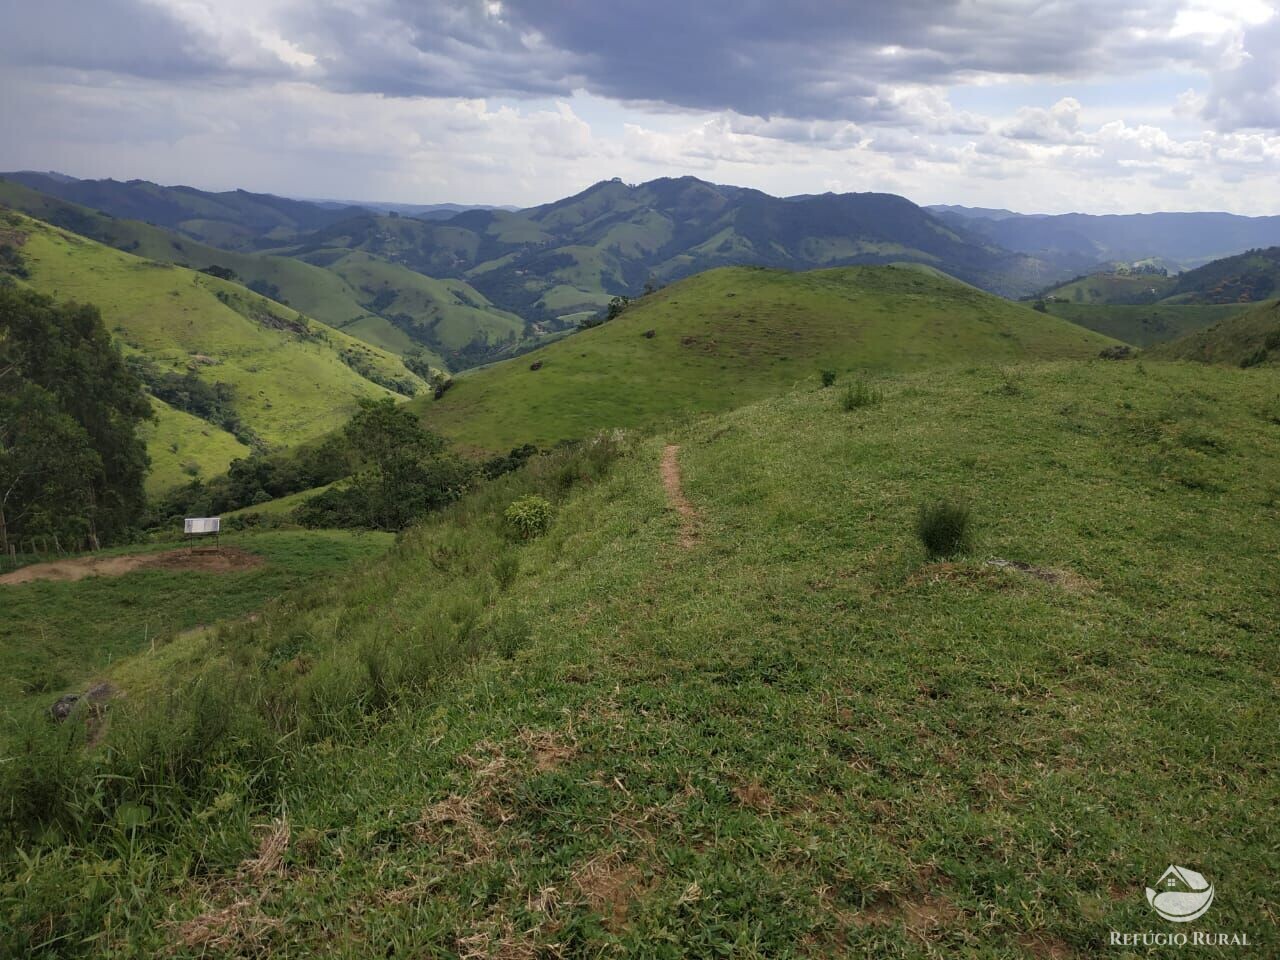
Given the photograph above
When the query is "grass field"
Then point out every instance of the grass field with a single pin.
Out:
(59, 635)
(1144, 326)
(781, 732)
(731, 336)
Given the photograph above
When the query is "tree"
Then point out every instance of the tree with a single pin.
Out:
(71, 462)
(405, 472)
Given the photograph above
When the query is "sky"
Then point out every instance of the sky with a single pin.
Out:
(1066, 105)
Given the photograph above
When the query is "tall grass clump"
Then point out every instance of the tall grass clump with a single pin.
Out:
(828, 378)
(529, 516)
(945, 528)
(859, 394)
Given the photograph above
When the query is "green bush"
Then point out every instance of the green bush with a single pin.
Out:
(944, 528)
(828, 377)
(529, 516)
(858, 394)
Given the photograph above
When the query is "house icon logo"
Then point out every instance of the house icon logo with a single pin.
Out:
(1181, 895)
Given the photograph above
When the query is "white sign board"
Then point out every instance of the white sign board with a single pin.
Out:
(201, 524)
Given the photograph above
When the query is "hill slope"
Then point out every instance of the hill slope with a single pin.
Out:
(1248, 277)
(290, 377)
(373, 300)
(794, 737)
(733, 335)
(1246, 339)
(1143, 326)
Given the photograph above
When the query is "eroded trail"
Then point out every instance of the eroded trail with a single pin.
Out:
(675, 496)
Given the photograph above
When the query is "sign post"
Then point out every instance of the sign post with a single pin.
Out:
(193, 527)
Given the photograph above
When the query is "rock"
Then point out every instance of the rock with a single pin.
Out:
(63, 706)
(96, 695)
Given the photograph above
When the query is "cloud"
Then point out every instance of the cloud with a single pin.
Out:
(1002, 103)
(1247, 95)
(807, 59)
(1059, 124)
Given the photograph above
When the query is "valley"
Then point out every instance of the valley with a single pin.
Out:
(668, 570)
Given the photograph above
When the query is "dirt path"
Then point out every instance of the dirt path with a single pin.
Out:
(675, 496)
(221, 560)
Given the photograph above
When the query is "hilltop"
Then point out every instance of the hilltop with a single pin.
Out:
(789, 733)
(247, 364)
(572, 255)
(736, 334)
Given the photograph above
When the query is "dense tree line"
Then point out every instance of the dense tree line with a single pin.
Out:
(71, 461)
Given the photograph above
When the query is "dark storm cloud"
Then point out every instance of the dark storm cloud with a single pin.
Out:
(806, 58)
(119, 36)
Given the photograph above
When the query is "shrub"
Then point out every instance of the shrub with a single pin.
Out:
(944, 528)
(529, 516)
(828, 377)
(858, 395)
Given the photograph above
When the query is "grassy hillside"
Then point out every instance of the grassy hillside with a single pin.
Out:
(56, 636)
(357, 301)
(183, 447)
(455, 320)
(291, 377)
(1246, 339)
(1250, 276)
(730, 336)
(1143, 326)
(793, 736)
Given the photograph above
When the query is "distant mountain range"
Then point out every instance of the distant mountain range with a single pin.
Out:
(1079, 242)
(457, 286)
(573, 255)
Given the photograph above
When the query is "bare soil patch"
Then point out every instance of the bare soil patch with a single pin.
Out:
(675, 496)
(220, 560)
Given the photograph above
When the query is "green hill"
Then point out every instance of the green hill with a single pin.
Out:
(1248, 277)
(1113, 288)
(730, 336)
(785, 732)
(289, 377)
(1246, 339)
(374, 300)
(449, 316)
